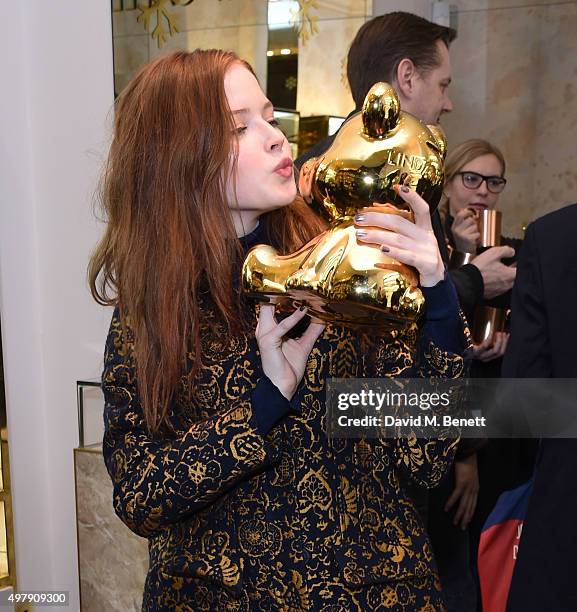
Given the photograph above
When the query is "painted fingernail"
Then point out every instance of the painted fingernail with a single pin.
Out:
(385, 249)
(361, 234)
(360, 217)
(302, 307)
(405, 189)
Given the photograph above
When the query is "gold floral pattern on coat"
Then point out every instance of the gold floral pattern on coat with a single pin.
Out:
(286, 521)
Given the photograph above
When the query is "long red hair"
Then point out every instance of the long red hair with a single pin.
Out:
(168, 223)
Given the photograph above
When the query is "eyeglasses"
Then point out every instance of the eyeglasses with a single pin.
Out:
(473, 180)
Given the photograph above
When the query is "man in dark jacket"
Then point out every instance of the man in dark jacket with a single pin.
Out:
(542, 345)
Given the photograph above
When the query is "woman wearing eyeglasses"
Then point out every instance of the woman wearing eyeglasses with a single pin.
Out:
(474, 181)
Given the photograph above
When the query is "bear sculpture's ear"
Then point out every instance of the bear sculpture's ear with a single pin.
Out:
(439, 140)
(381, 110)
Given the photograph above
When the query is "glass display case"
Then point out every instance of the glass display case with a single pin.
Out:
(90, 410)
(289, 121)
(7, 560)
(314, 129)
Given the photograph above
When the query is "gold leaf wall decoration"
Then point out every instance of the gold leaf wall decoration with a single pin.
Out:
(303, 20)
(158, 10)
(160, 22)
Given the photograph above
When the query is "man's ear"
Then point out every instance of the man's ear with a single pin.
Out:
(405, 77)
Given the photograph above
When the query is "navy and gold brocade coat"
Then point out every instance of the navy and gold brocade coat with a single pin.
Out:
(249, 506)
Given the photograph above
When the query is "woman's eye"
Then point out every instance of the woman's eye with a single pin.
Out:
(274, 123)
(239, 130)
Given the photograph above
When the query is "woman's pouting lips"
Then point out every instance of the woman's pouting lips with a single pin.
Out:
(285, 167)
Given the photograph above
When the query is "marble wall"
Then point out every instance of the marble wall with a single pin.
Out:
(515, 83)
(322, 73)
(112, 560)
(240, 25)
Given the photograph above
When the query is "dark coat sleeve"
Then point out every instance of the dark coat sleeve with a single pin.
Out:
(528, 353)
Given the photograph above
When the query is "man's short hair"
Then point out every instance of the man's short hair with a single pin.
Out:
(384, 41)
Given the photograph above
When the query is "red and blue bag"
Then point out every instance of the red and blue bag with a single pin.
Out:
(499, 544)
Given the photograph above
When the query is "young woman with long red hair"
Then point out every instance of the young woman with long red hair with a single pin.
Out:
(214, 418)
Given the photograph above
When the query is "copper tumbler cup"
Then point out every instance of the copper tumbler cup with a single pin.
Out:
(489, 222)
(487, 321)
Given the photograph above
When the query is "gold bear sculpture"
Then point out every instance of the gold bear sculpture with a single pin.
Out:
(339, 279)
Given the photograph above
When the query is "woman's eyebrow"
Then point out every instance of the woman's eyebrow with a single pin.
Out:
(242, 111)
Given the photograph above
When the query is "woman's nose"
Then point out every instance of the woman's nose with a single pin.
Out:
(275, 139)
(482, 188)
